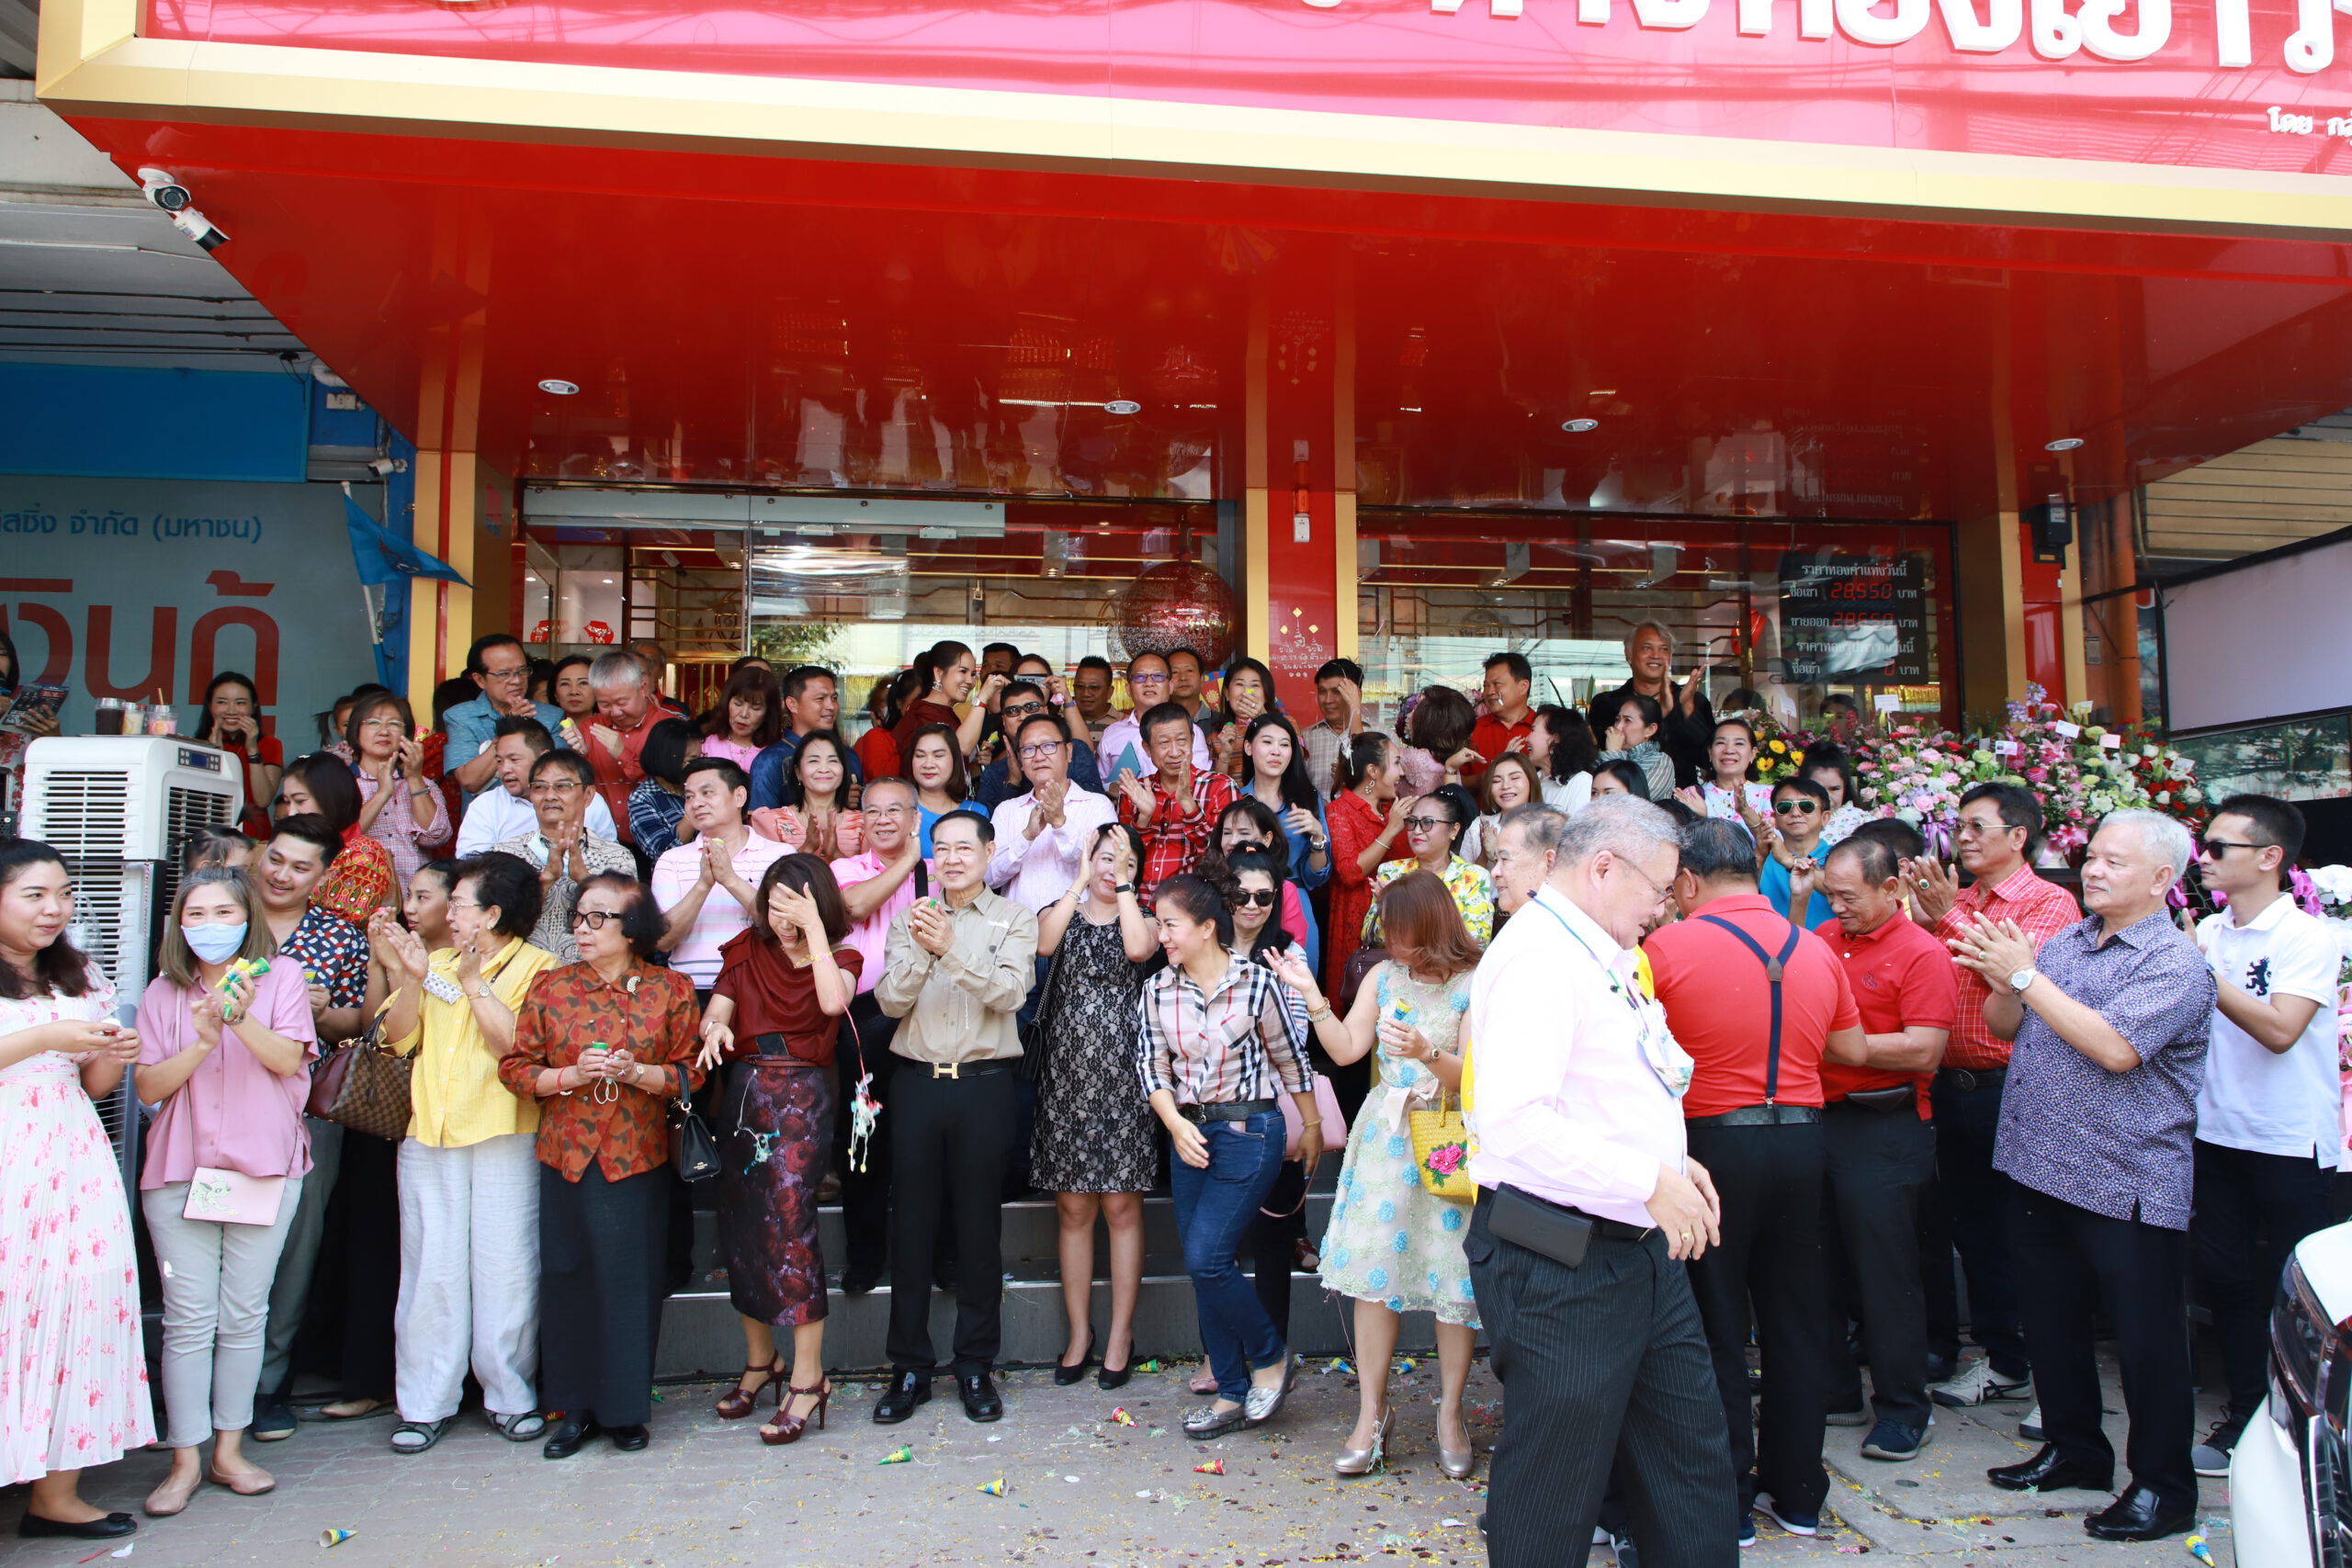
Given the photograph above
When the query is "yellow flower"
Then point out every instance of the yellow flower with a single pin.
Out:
(1780, 746)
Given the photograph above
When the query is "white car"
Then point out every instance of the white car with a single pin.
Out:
(2290, 1474)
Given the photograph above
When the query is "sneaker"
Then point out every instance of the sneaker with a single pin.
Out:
(2211, 1457)
(1940, 1368)
(1978, 1383)
(1796, 1521)
(1848, 1418)
(2030, 1428)
(1621, 1548)
(1746, 1529)
(1893, 1441)
(273, 1419)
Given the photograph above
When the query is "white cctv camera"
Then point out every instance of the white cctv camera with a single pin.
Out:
(199, 228)
(165, 191)
(384, 467)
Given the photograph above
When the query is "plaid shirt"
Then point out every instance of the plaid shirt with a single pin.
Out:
(1173, 844)
(2041, 911)
(653, 817)
(1239, 1041)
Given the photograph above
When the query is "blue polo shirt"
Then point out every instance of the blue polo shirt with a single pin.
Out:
(471, 727)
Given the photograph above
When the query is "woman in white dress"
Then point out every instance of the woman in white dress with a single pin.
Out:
(72, 1373)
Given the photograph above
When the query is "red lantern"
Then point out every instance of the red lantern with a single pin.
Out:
(1177, 604)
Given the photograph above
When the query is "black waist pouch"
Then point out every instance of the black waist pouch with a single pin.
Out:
(1541, 1227)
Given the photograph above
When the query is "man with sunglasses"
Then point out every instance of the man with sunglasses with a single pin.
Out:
(563, 848)
(1022, 700)
(1124, 747)
(1759, 1004)
(1043, 833)
(1791, 872)
(2268, 1131)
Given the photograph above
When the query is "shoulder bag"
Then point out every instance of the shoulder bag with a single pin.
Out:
(365, 1086)
(694, 1153)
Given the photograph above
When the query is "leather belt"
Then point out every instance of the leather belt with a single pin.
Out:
(1227, 1111)
(1967, 1080)
(1761, 1116)
(970, 1069)
(1895, 1100)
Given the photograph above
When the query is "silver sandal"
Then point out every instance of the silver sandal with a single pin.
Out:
(527, 1427)
(415, 1437)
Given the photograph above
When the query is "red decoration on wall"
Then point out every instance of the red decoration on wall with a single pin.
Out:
(1176, 604)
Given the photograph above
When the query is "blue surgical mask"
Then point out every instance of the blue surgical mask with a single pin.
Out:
(215, 944)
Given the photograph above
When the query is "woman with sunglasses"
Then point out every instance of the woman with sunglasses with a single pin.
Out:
(1247, 824)
(1433, 828)
(1790, 875)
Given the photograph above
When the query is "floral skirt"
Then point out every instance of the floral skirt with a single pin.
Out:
(777, 1148)
(1390, 1240)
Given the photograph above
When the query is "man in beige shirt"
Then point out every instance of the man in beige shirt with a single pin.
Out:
(958, 967)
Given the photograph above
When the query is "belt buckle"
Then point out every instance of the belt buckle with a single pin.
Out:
(1192, 1113)
(947, 1069)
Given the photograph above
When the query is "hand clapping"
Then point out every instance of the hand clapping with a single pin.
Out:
(931, 927)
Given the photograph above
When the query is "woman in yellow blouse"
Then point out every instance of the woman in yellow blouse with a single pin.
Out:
(1434, 826)
(470, 1178)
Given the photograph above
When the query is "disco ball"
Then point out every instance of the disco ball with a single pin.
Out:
(1176, 603)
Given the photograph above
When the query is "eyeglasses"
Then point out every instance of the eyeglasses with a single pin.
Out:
(1038, 748)
(390, 721)
(555, 786)
(594, 919)
(2217, 848)
(463, 904)
(1978, 827)
(514, 674)
(1427, 824)
(1254, 899)
(1796, 807)
(1146, 680)
(1662, 893)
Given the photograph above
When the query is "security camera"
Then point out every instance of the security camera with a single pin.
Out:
(199, 228)
(165, 191)
(384, 467)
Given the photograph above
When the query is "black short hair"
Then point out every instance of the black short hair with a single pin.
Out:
(1342, 669)
(1159, 714)
(1629, 774)
(312, 830)
(488, 640)
(729, 772)
(641, 920)
(535, 734)
(1061, 730)
(2018, 807)
(796, 680)
(981, 824)
(664, 755)
(508, 883)
(569, 660)
(1877, 857)
(1442, 721)
(1012, 648)
(2275, 821)
(571, 762)
(1096, 661)
(1192, 653)
(1804, 786)
(1135, 658)
(1717, 850)
(1907, 841)
(1642, 701)
(1031, 687)
(331, 786)
(1514, 662)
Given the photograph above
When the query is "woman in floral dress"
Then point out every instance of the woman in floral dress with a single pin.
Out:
(72, 1373)
(1392, 1245)
(1435, 826)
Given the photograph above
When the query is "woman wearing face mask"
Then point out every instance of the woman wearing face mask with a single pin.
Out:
(817, 816)
(1511, 782)
(1217, 1043)
(224, 1053)
(1367, 823)
(1432, 828)
(399, 807)
(1094, 1147)
(70, 1338)
(361, 881)
(937, 768)
(469, 1175)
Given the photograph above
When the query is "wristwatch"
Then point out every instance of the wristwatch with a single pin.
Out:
(2019, 981)
(1124, 888)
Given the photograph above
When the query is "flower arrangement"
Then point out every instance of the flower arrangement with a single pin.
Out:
(1779, 752)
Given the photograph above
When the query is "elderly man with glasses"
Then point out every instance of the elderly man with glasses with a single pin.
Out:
(1124, 747)
(1022, 700)
(563, 848)
(500, 667)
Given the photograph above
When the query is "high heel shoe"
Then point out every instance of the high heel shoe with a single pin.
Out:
(787, 1428)
(1065, 1375)
(740, 1402)
(1363, 1462)
(1457, 1462)
(1107, 1378)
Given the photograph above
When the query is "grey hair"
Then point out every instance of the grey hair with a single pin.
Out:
(619, 668)
(2165, 836)
(1653, 625)
(1541, 824)
(1622, 825)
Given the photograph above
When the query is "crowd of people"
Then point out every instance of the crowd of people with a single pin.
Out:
(1629, 1062)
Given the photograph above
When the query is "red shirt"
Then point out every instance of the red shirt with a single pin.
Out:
(1492, 738)
(1902, 978)
(878, 755)
(1173, 843)
(1356, 822)
(1720, 1006)
(921, 714)
(2041, 911)
(615, 776)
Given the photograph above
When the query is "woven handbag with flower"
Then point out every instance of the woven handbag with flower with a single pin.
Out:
(1442, 1151)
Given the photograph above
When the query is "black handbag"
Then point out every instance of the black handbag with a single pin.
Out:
(694, 1153)
(1031, 1067)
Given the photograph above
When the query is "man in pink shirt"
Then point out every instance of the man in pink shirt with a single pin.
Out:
(877, 888)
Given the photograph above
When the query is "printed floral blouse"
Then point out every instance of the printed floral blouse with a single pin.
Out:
(1473, 890)
(650, 1011)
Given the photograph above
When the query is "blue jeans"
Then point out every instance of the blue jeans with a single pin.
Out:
(1215, 1209)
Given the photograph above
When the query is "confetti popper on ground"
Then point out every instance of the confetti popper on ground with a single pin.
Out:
(1214, 1467)
(899, 1455)
(1339, 1364)
(1122, 1417)
(2199, 1549)
(1406, 1365)
(1148, 1366)
(996, 1488)
(334, 1537)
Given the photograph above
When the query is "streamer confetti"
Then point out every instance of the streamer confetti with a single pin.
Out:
(1148, 1366)
(334, 1537)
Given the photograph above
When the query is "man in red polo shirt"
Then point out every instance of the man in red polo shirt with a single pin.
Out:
(1880, 1146)
(1508, 714)
(1998, 833)
(1757, 1003)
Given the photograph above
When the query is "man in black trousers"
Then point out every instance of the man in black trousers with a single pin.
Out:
(959, 966)
(1587, 1206)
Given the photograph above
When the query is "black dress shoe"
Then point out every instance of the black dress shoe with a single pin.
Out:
(858, 1281)
(568, 1435)
(2045, 1472)
(108, 1529)
(908, 1390)
(2139, 1515)
(628, 1440)
(981, 1402)
(1065, 1375)
(1111, 1377)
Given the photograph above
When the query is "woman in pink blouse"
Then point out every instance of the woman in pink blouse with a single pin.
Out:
(399, 807)
(223, 1053)
(747, 719)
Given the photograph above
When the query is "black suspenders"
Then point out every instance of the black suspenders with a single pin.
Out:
(1773, 971)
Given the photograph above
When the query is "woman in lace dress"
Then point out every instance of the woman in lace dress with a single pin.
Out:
(75, 1389)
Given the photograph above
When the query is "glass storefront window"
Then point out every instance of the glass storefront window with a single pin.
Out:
(1798, 615)
(2301, 758)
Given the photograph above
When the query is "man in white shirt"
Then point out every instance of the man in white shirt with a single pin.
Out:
(1338, 698)
(2268, 1127)
(503, 810)
(1041, 834)
(1122, 743)
(1588, 1207)
(560, 847)
(708, 890)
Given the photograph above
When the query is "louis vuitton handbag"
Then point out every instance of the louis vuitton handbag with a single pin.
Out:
(365, 1087)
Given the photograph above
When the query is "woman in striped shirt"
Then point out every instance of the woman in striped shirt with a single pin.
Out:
(1216, 1044)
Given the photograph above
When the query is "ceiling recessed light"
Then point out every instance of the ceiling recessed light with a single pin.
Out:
(558, 386)
(2064, 443)
(1123, 405)
(1578, 426)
